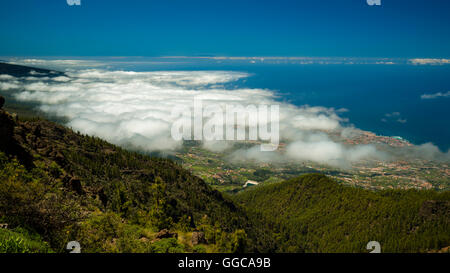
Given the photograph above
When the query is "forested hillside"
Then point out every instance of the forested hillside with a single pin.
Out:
(313, 213)
(58, 186)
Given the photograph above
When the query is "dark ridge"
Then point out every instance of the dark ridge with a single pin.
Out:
(21, 71)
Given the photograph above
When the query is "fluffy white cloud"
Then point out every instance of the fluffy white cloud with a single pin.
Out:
(316, 148)
(130, 108)
(6, 77)
(8, 86)
(328, 152)
(134, 109)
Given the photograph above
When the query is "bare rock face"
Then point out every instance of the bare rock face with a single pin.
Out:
(11, 142)
(2, 101)
(198, 237)
(6, 127)
(76, 186)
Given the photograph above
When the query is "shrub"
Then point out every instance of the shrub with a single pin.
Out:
(169, 245)
(21, 241)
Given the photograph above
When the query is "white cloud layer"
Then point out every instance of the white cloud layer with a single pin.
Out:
(133, 109)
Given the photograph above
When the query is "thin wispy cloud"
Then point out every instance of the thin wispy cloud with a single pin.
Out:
(57, 63)
(394, 117)
(114, 62)
(429, 61)
(294, 60)
(393, 114)
(435, 95)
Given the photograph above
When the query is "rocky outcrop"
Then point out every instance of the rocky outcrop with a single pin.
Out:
(198, 237)
(2, 102)
(165, 233)
(12, 138)
(75, 185)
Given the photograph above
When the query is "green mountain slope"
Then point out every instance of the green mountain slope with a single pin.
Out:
(313, 213)
(58, 186)
(62, 186)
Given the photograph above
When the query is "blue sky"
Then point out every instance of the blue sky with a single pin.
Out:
(346, 28)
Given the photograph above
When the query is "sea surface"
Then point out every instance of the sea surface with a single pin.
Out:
(381, 98)
(384, 99)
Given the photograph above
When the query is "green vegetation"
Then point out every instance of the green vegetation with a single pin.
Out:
(58, 186)
(313, 213)
(21, 241)
(229, 175)
(110, 200)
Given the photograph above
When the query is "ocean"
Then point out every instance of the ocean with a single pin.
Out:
(384, 99)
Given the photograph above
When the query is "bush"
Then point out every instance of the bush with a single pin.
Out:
(31, 198)
(199, 249)
(21, 242)
(169, 245)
